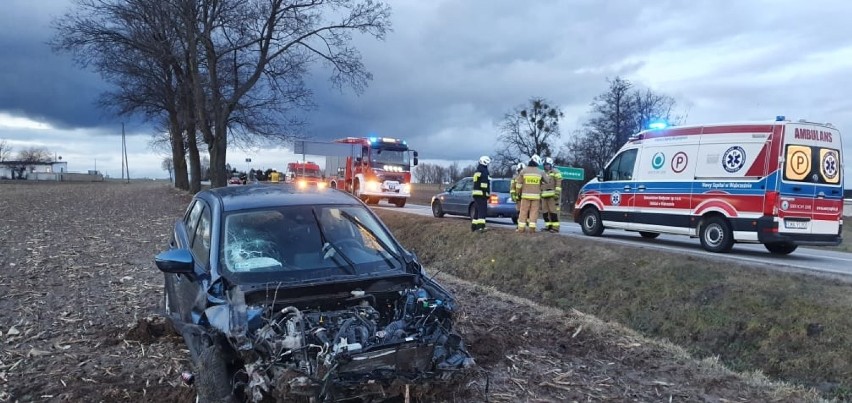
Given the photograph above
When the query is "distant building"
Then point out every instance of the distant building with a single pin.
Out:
(31, 170)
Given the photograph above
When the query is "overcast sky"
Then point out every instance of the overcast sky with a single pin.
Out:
(452, 68)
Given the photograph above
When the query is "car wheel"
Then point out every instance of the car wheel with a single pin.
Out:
(471, 211)
(590, 222)
(649, 235)
(400, 202)
(716, 235)
(780, 248)
(437, 210)
(212, 382)
(515, 219)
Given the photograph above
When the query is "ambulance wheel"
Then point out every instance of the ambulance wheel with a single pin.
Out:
(780, 248)
(716, 235)
(649, 235)
(590, 222)
(437, 210)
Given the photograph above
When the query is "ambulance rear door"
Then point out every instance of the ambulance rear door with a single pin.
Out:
(811, 186)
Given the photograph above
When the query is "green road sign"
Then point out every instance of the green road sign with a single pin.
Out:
(571, 173)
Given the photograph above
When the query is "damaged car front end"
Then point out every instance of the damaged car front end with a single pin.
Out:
(309, 301)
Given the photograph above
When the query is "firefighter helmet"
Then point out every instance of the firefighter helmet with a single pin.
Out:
(520, 166)
(485, 160)
(535, 158)
(548, 161)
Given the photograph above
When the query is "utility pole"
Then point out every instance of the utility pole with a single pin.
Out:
(124, 163)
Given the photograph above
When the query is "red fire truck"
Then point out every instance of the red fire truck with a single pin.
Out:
(304, 174)
(377, 168)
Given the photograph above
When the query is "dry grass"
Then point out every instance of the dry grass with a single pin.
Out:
(791, 327)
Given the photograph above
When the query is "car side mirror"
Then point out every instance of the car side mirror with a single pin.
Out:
(600, 175)
(176, 261)
(415, 161)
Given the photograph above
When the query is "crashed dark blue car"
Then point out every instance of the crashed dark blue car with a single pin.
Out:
(287, 294)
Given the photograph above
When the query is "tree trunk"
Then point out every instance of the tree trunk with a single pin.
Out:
(178, 156)
(194, 159)
(218, 148)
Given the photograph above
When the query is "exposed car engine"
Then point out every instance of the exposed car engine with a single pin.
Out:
(371, 345)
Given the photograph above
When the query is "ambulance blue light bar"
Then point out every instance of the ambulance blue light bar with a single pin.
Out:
(657, 125)
(780, 118)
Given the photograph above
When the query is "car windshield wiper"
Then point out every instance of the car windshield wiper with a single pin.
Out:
(376, 238)
(329, 250)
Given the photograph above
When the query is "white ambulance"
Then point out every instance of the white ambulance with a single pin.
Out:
(777, 183)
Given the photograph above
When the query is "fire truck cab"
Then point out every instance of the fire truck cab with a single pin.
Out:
(776, 183)
(304, 174)
(378, 168)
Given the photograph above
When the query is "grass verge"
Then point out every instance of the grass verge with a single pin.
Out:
(792, 327)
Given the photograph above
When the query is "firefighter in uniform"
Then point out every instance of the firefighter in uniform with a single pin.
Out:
(550, 193)
(529, 190)
(513, 191)
(481, 192)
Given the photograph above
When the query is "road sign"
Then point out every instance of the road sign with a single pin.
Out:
(326, 148)
(571, 173)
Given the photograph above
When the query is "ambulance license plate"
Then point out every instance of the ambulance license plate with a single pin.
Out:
(796, 224)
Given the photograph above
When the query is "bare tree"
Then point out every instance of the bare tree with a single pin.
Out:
(133, 45)
(616, 114)
(454, 172)
(649, 106)
(34, 154)
(168, 165)
(247, 43)
(5, 150)
(529, 129)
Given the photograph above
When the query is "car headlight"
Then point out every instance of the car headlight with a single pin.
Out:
(321, 185)
(406, 188)
(301, 184)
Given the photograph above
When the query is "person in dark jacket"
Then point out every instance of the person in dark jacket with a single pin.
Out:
(481, 192)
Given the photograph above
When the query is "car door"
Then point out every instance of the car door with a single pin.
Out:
(187, 289)
(618, 189)
(455, 197)
(465, 196)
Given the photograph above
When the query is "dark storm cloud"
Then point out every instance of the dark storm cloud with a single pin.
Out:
(34, 81)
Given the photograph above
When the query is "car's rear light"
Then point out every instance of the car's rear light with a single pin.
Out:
(494, 199)
(770, 204)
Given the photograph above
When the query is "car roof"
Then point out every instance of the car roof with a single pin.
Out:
(254, 196)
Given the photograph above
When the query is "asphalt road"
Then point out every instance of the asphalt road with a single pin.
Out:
(808, 259)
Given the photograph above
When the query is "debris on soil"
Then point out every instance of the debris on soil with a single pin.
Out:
(147, 330)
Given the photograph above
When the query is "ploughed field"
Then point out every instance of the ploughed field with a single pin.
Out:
(80, 318)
